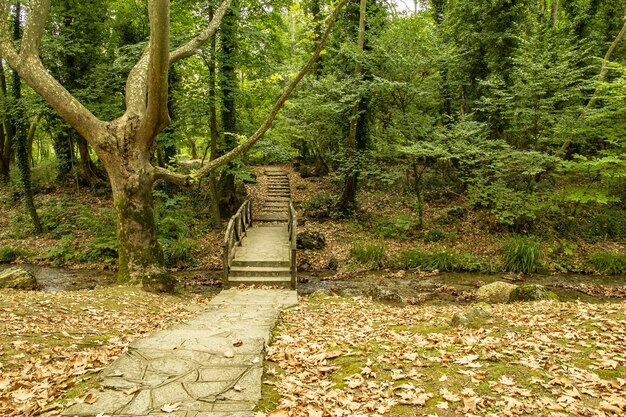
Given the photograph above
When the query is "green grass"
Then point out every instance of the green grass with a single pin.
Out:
(608, 263)
(178, 252)
(371, 254)
(521, 254)
(11, 253)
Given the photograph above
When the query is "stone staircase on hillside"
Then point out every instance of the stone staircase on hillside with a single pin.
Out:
(266, 255)
(276, 205)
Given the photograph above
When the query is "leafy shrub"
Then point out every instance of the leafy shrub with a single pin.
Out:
(169, 227)
(371, 254)
(441, 260)
(521, 254)
(604, 223)
(10, 253)
(435, 235)
(397, 227)
(63, 252)
(178, 252)
(320, 206)
(608, 263)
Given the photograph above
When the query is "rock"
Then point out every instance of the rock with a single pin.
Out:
(17, 278)
(333, 264)
(532, 292)
(471, 317)
(496, 292)
(310, 240)
(384, 294)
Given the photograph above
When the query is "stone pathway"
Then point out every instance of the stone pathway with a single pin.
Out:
(209, 366)
(264, 257)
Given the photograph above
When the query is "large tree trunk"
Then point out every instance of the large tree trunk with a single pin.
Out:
(140, 255)
(6, 133)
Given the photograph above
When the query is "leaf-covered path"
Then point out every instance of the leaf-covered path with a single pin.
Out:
(209, 366)
(341, 357)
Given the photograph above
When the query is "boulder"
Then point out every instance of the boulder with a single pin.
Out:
(17, 278)
(532, 293)
(384, 294)
(310, 240)
(496, 292)
(472, 317)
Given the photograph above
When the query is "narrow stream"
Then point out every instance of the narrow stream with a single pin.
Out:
(390, 286)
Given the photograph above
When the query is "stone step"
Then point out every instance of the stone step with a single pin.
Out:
(276, 174)
(279, 189)
(273, 281)
(267, 209)
(259, 271)
(263, 217)
(278, 199)
(277, 203)
(274, 264)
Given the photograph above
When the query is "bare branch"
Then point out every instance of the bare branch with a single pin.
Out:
(158, 64)
(181, 180)
(137, 85)
(69, 108)
(30, 69)
(36, 24)
(191, 47)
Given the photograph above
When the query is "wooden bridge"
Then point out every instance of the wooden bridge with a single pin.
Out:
(260, 248)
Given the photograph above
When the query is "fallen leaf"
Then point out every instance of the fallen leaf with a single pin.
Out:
(170, 408)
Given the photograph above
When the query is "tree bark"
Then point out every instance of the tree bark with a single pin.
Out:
(6, 131)
(214, 196)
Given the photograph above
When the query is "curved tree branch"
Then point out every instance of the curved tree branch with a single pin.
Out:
(158, 64)
(35, 25)
(243, 147)
(191, 47)
(30, 69)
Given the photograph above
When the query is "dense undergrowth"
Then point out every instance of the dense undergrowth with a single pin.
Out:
(386, 232)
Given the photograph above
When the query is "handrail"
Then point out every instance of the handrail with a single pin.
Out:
(235, 231)
(291, 228)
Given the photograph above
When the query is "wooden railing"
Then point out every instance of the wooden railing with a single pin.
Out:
(235, 231)
(291, 228)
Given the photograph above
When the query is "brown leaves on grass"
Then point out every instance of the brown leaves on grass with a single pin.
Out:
(50, 342)
(340, 357)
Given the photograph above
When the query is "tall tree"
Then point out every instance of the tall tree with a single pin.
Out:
(20, 138)
(347, 201)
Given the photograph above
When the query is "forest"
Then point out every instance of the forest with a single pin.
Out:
(431, 147)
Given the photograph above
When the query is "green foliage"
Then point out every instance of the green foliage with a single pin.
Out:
(178, 252)
(602, 223)
(435, 235)
(521, 254)
(371, 254)
(11, 253)
(608, 263)
(320, 206)
(64, 251)
(396, 227)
